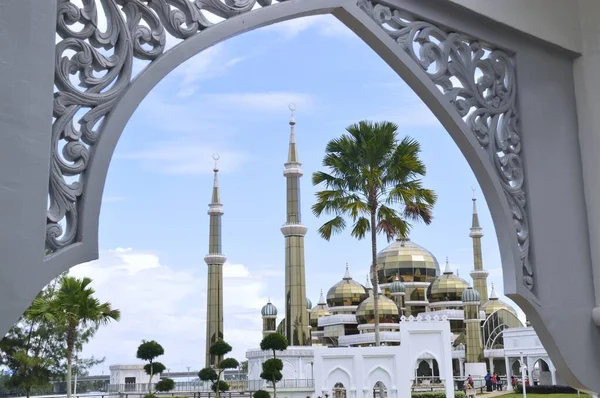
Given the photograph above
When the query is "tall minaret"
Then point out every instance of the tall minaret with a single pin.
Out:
(478, 274)
(296, 315)
(215, 260)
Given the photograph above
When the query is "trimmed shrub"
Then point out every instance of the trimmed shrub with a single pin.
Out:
(437, 394)
(261, 394)
(546, 389)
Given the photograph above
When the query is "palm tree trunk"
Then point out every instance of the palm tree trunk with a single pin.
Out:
(374, 277)
(70, 345)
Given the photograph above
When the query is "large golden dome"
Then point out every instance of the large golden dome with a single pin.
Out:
(446, 287)
(410, 261)
(346, 292)
(494, 304)
(388, 310)
(320, 310)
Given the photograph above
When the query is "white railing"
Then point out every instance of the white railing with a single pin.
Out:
(368, 338)
(337, 319)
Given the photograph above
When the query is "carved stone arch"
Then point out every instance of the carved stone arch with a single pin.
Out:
(88, 151)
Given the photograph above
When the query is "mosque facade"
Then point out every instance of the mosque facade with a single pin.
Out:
(412, 287)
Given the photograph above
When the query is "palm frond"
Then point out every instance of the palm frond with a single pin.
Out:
(361, 227)
(331, 227)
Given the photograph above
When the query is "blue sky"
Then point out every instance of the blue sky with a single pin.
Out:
(233, 99)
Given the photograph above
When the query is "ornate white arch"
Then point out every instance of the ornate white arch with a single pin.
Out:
(373, 376)
(348, 382)
(469, 86)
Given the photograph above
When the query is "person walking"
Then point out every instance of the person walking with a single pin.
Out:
(494, 380)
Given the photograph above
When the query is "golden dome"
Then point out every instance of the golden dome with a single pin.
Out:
(346, 292)
(388, 311)
(494, 304)
(320, 310)
(446, 287)
(410, 261)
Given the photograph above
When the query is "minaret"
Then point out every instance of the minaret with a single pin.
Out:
(269, 316)
(474, 346)
(478, 274)
(215, 260)
(296, 315)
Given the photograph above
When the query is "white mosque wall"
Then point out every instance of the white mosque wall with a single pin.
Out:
(360, 368)
(125, 374)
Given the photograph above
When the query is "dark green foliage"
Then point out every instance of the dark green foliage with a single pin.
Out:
(221, 385)
(154, 368)
(43, 345)
(545, 389)
(229, 363)
(165, 385)
(244, 365)
(208, 374)
(271, 370)
(261, 394)
(274, 342)
(149, 350)
(437, 394)
(220, 348)
(373, 180)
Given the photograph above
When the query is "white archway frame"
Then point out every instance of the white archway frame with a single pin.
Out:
(79, 203)
(87, 153)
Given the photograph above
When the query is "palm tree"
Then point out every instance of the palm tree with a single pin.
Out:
(373, 180)
(75, 308)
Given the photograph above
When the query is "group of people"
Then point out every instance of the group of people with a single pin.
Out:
(493, 382)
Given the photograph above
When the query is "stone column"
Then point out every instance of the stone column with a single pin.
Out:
(509, 386)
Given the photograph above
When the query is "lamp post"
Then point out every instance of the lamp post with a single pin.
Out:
(188, 376)
(312, 373)
(523, 370)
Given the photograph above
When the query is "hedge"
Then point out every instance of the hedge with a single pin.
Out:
(437, 394)
(546, 389)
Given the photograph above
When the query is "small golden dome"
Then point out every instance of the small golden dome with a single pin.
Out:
(446, 287)
(494, 304)
(410, 261)
(346, 292)
(320, 310)
(388, 311)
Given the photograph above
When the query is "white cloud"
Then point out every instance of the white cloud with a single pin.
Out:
(210, 63)
(168, 304)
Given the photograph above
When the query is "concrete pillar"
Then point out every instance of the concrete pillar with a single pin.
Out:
(461, 367)
(509, 386)
(491, 361)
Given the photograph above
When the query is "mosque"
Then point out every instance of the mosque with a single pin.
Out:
(420, 308)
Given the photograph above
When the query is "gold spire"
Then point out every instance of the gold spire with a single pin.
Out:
(322, 299)
(216, 197)
(448, 270)
(478, 274)
(347, 274)
(293, 151)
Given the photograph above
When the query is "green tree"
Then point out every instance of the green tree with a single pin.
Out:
(274, 342)
(148, 351)
(261, 394)
(165, 385)
(219, 349)
(244, 367)
(375, 181)
(271, 369)
(35, 348)
(74, 310)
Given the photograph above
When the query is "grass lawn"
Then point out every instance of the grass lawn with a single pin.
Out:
(520, 395)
